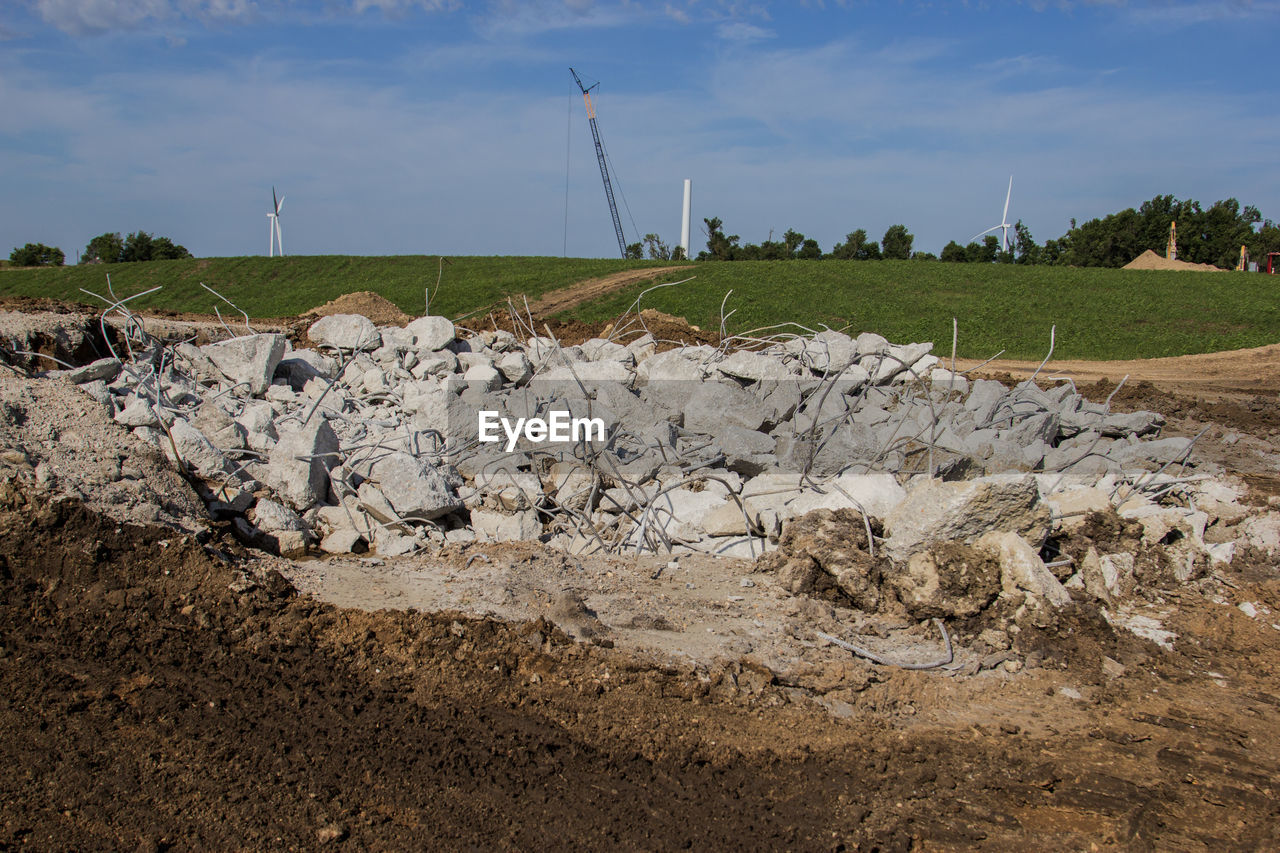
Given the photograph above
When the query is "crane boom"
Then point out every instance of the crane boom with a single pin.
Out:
(604, 168)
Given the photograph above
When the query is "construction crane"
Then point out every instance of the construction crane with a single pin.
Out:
(604, 169)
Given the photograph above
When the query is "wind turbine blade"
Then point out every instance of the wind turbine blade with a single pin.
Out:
(275, 205)
(1004, 218)
(981, 233)
(279, 205)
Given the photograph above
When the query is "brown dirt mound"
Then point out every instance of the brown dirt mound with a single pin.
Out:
(382, 311)
(1149, 260)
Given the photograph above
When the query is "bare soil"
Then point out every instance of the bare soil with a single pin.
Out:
(163, 688)
(557, 301)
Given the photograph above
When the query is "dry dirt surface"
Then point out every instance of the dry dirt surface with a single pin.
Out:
(567, 297)
(162, 688)
(1234, 373)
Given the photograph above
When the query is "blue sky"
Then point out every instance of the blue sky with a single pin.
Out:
(436, 127)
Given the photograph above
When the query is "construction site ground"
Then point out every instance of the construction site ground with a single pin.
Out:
(163, 691)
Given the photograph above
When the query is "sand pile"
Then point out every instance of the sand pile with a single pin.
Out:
(1149, 260)
(381, 311)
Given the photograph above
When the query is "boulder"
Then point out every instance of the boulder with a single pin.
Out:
(345, 332)
(1021, 569)
(431, 333)
(714, 404)
(415, 489)
(298, 466)
(250, 360)
(506, 527)
(940, 511)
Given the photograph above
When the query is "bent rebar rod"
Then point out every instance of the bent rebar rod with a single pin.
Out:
(875, 658)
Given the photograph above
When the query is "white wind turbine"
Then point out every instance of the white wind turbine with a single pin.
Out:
(274, 240)
(1004, 225)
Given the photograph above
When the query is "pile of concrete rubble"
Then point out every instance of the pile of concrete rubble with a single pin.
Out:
(371, 440)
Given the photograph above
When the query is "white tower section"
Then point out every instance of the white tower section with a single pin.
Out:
(684, 220)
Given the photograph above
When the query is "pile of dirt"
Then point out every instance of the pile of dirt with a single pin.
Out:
(379, 309)
(1149, 260)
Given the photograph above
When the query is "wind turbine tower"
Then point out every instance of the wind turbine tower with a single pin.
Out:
(274, 240)
(1004, 225)
(684, 218)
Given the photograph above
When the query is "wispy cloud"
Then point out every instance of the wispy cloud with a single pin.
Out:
(742, 32)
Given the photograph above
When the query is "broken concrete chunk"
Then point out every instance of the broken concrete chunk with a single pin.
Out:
(414, 488)
(1021, 568)
(938, 511)
(714, 404)
(271, 517)
(506, 527)
(752, 367)
(102, 370)
(298, 466)
(250, 360)
(195, 450)
(344, 541)
(431, 333)
(345, 332)
(137, 412)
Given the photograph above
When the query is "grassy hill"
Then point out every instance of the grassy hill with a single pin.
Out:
(278, 287)
(1099, 313)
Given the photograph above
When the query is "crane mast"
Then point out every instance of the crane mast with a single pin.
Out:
(604, 169)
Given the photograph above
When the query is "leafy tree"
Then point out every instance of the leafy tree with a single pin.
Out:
(953, 252)
(1028, 251)
(657, 249)
(164, 249)
(1267, 239)
(856, 247)
(923, 256)
(896, 244)
(37, 255)
(719, 247)
(635, 251)
(1208, 236)
(809, 250)
(793, 240)
(105, 249)
(984, 252)
(141, 246)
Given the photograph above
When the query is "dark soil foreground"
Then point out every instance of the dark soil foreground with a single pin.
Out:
(154, 698)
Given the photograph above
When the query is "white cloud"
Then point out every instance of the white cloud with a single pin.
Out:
(92, 16)
(742, 32)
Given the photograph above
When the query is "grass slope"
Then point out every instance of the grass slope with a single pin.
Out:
(1099, 313)
(279, 287)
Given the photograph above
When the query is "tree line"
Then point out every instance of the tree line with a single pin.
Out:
(109, 248)
(1205, 235)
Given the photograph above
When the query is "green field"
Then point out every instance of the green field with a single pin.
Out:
(280, 287)
(1099, 313)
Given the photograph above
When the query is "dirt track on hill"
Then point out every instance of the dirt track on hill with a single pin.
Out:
(565, 298)
(1234, 372)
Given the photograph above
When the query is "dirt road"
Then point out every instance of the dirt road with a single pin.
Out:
(565, 298)
(1236, 372)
